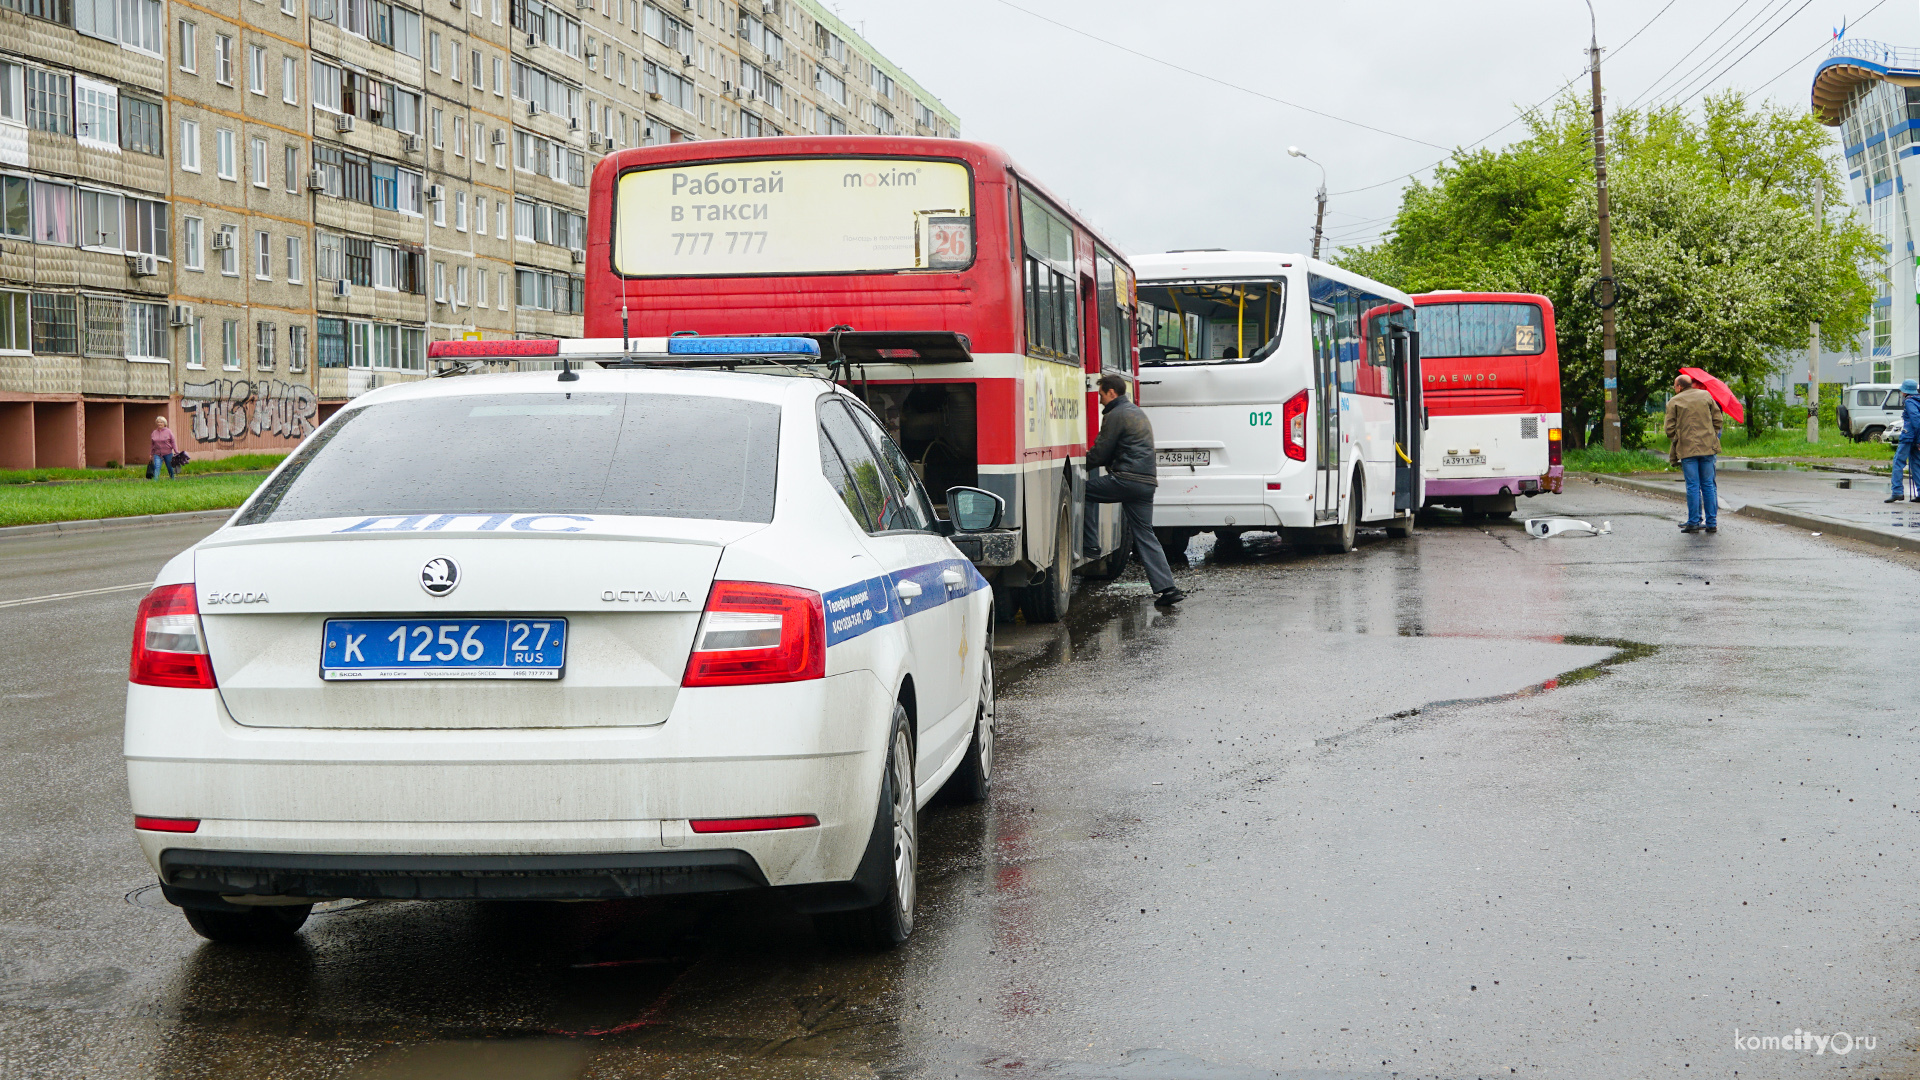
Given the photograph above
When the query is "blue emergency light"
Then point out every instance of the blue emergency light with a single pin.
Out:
(738, 346)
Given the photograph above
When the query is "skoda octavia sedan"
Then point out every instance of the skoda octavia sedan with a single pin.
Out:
(617, 633)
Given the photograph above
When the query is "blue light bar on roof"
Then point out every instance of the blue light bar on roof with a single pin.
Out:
(742, 346)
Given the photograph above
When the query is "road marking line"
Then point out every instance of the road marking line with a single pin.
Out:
(73, 595)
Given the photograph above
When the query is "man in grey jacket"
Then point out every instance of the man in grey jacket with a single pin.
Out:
(1125, 448)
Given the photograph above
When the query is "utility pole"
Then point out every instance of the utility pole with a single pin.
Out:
(1813, 343)
(1604, 290)
(1319, 198)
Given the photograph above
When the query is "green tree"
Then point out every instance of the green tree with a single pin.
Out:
(1719, 260)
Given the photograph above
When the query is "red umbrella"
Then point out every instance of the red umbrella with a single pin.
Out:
(1729, 403)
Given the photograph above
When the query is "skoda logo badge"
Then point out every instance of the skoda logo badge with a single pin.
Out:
(439, 576)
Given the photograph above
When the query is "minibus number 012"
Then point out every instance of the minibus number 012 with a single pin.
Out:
(1260, 419)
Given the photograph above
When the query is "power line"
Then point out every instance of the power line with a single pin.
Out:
(1721, 51)
(1214, 78)
(1683, 56)
(1809, 53)
(1782, 25)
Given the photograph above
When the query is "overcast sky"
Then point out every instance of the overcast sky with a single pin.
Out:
(1160, 159)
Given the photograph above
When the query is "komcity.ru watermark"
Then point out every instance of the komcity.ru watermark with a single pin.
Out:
(1804, 1041)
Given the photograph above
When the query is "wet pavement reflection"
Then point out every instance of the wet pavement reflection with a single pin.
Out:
(1465, 805)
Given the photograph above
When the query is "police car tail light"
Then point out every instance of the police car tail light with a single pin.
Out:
(169, 648)
(1293, 424)
(757, 633)
(1553, 446)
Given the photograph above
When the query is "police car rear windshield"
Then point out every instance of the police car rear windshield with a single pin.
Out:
(649, 455)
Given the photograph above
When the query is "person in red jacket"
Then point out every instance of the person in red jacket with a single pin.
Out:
(163, 450)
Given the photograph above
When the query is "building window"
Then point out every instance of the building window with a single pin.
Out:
(228, 168)
(440, 282)
(97, 114)
(264, 334)
(440, 211)
(52, 213)
(296, 261)
(49, 101)
(223, 59)
(230, 253)
(331, 338)
(230, 344)
(289, 80)
(326, 257)
(433, 49)
(189, 48)
(141, 127)
(500, 293)
(460, 285)
(296, 348)
(460, 211)
(141, 26)
(196, 357)
(293, 170)
(100, 220)
(147, 227)
(56, 324)
(261, 174)
(358, 257)
(257, 70)
(190, 146)
(435, 119)
(190, 242)
(263, 256)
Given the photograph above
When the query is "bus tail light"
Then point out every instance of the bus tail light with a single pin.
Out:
(169, 648)
(757, 633)
(1553, 446)
(1293, 425)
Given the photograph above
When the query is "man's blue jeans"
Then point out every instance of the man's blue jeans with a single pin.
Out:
(1905, 461)
(161, 463)
(1701, 490)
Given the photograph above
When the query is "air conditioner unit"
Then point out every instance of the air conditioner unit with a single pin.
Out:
(342, 289)
(769, 6)
(143, 265)
(578, 256)
(499, 137)
(533, 108)
(582, 5)
(316, 181)
(222, 239)
(573, 124)
(343, 122)
(409, 143)
(533, 41)
(593, 140)
(686, 5)
(726, 87)
(182, 315)
(686, 59)
(437, 193)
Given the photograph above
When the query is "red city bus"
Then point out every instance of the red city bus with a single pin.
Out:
(1491, 373)
(884, 234)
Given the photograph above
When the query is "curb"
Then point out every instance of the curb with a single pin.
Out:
(62, 528)
(1763, 512)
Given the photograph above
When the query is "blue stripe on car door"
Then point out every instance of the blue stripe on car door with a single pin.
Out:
(854, 609)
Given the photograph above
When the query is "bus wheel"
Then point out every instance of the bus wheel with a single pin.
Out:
(1113, 563)
(1347, 533)
(1047, 602)
(1400, 527)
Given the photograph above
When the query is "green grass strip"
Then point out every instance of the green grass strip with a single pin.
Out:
(236, 463)
(36, 504)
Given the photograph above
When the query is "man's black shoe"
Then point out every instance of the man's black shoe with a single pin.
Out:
(1713, 528)
(1692, 528)
(1898, 498)
(1170, 597)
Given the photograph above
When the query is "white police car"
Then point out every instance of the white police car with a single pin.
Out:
(610, 633)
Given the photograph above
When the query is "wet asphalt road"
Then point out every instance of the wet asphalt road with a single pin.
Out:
(1468, 805)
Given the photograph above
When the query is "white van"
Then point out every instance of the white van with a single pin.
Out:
(1865, 409)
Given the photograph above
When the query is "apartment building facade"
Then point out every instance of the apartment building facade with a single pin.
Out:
(239, 214)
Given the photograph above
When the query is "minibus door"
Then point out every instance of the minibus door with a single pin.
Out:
(1326, 418)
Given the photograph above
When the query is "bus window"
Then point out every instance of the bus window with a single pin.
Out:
(1053, 297)
(794, 216)
(1115, 344)
(1214, 321)
(1451, 331)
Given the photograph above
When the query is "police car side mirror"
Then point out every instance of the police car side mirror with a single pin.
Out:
(974, 510)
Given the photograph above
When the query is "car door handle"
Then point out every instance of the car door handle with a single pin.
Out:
(906, 590)
(952, 578)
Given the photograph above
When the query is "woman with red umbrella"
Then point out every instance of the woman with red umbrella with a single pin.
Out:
(1693, 425)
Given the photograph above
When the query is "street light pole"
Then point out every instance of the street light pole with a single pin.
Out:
(1319, 199)
(1605, 292)
(1813, 343)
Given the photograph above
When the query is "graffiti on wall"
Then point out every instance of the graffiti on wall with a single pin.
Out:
(227, 409)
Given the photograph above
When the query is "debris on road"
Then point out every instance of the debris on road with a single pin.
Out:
(1543, 528)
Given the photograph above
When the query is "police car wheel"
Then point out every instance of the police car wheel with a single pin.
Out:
(894, 851)
(248, 925)
(973, 781)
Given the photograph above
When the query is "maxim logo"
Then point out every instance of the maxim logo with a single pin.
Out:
(896, 178)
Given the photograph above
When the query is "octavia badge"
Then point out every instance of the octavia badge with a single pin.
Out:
(439, 576)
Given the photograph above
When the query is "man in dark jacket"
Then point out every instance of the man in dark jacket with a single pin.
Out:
(1125, 449)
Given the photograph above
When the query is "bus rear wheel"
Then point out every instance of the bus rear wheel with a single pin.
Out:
(1047, 601)
(1347, 533)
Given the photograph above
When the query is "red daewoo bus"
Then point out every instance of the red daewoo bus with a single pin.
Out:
(889, 234)
(1490, 370)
